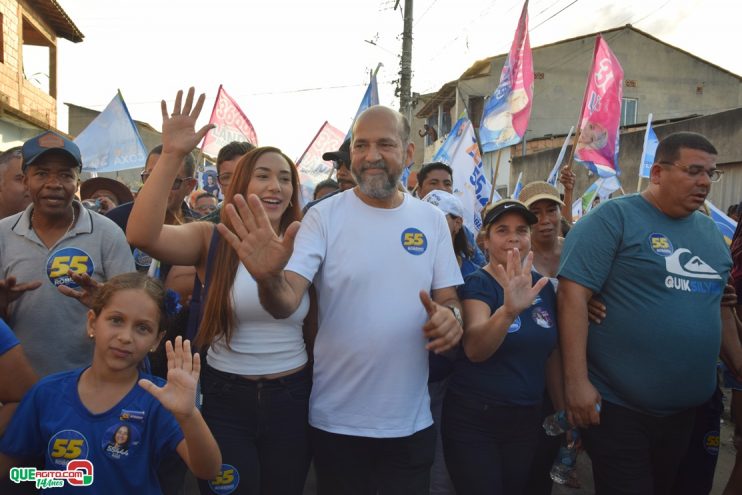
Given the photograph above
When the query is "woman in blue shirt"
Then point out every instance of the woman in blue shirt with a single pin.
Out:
(492, 411)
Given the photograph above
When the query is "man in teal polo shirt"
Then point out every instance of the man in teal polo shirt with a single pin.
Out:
(660, 266)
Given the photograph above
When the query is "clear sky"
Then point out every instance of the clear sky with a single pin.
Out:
(292, 64)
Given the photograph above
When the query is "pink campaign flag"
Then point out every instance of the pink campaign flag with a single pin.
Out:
(507, 111)
(600, 118)
(312, 168)
(231, 125)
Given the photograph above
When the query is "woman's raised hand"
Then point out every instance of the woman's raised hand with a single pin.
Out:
(519, 290)
(258, 246)
(179, 127)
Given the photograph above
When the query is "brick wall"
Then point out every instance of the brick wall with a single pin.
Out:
(15, 92)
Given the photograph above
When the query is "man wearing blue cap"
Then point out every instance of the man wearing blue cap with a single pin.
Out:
(42, 244)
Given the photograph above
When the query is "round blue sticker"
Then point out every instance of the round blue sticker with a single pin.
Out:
(64, 260)
(711, 442)
(121, 440)
(67, 445)
(141, 260)
(226, 481)
(515, 326)
(414, 241)
(660, 244)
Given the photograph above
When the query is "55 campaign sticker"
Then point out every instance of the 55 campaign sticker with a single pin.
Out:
(414, 241)
(67, 445)
(65, 259)
(226, 481)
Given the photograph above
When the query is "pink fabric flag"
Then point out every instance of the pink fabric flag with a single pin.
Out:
(312, 168)
(600, 118)
(507, 111)
(231, 125)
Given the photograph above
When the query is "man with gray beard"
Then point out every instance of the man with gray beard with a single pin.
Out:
(385, 273)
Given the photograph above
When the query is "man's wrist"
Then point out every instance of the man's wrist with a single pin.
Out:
(456, 314)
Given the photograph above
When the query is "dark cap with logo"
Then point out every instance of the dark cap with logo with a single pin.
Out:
(341, 155)
(500, 208)
(47, 141)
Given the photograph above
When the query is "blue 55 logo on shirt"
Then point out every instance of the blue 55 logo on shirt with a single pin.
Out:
(63, 260)
(67, 445)
(414, 241)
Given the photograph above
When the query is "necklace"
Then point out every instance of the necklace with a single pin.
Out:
(68, 227)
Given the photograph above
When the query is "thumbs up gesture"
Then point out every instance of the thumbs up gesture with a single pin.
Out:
(442, 329)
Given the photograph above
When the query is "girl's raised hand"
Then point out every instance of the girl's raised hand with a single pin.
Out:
(179, 393)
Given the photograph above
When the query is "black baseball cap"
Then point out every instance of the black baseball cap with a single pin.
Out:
(498, 209)
(341, 155)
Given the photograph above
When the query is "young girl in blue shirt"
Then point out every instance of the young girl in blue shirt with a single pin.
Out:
(74, 415)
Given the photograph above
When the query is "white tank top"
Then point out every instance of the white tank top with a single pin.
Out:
(260, 344)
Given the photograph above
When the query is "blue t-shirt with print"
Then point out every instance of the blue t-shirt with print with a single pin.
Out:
(515, 375)
(661, 280)
(124, 444)
(7, 338)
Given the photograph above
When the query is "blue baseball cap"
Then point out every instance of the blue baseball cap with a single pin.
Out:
(47, 141)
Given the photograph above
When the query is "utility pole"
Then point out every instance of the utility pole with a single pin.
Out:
(405, 96)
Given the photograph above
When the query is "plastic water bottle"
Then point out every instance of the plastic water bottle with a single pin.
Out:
(566, 460)
(556, 424)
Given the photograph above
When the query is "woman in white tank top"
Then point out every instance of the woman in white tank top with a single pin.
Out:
(256, 381)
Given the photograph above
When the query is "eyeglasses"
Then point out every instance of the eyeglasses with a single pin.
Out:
(694, 171)
(225, 178)
(176, 184)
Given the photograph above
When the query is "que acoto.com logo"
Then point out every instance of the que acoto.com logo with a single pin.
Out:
(79, 472)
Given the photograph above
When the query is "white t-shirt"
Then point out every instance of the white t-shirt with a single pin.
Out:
(260, 345)
(369, 265)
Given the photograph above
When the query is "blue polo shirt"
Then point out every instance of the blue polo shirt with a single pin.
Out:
(7, 338)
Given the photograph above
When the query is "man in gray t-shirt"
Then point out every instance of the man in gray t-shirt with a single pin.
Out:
(42, 244)
(660, 265)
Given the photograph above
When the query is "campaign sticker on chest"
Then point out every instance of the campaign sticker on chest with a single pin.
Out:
(121, 440)
(63, 260)
(515, 326)
(67, 445)
(660, 244)
(414, 241)
(542, 317)
(226, 481)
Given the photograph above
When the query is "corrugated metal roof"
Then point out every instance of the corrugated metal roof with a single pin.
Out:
(57, 18)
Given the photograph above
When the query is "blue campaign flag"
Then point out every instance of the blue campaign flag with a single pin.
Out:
(650, 148)
(111, 141)
(554, 175)
(370, 98)
(726, 225)
(518, 186)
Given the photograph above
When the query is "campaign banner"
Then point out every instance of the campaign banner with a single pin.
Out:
(461, 152)
(600, 118)
(370, 98)
(506, 112)
(312, 168)
(111, 141)
(554, 175)
(648, 151)
(230, 123)
(726, 225)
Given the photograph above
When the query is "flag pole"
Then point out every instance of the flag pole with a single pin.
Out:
(494, 177)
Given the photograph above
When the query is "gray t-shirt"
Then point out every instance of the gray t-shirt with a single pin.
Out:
(661, 280)
(49, 325)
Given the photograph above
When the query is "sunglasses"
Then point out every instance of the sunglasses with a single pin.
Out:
(176, 184)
